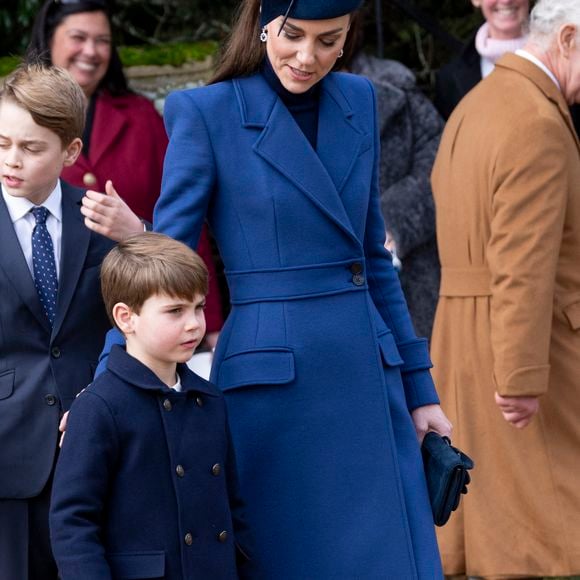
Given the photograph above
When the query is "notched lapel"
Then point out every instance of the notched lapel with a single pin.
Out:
(15, 267)
(283, 145)
(339, 141)
(112, 124)
(75, 243)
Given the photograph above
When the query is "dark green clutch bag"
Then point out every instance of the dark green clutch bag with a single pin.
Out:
(446, 471)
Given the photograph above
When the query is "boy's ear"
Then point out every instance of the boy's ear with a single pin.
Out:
(123, 316)
(72, 151)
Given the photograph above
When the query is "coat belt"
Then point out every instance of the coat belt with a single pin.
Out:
(470, 281)
(297, 282)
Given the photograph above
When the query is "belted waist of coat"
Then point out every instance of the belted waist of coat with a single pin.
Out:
(470, 281)
(294, 283)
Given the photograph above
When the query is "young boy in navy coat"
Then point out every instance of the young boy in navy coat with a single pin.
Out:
(145, 485)
(52, 317)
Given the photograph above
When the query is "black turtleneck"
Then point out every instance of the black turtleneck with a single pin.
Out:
(303, 106)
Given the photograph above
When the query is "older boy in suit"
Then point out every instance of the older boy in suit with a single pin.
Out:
(52, 318)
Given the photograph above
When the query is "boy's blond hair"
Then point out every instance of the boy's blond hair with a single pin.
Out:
(148, 264)
(51, 96)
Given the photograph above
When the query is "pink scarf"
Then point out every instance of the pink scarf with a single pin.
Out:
(491, 48)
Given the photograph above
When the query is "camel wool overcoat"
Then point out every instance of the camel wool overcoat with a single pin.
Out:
(506, 183)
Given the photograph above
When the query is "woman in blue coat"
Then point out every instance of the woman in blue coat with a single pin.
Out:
(327, 386)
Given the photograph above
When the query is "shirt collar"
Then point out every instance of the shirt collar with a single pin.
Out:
(528, 56)
(18, 207)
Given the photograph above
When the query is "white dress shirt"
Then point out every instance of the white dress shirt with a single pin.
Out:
(24, 222)
(528, 56)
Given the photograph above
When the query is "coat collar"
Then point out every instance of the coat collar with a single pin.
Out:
(132, 371)
(320, 174)
(544, 83)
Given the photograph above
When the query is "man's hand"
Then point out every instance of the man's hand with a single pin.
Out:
(431, 418)
(108, 215)
(518, 411)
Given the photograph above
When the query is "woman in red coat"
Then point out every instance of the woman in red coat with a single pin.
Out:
(124, 138)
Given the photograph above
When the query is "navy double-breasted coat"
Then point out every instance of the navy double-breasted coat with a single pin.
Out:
(318, 359)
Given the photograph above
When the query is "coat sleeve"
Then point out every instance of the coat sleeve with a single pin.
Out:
(83, 472)
(189, 173)
(387, 295)
(527, 221)
(407, 204)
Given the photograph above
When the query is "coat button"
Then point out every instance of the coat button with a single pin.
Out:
(89, 179)
(216, 469)
(167, 405)
(358, 280)
(50, 400)
(199, 401)
(55, 352)
(180, 471)
(223, 537)
(356, 268)
(188, 539)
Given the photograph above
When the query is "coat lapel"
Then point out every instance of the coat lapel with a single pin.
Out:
(282, 144)
(15, 267)
(75, 243)
(108, 126)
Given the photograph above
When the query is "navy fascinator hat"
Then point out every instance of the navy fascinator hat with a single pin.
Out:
(306, 9)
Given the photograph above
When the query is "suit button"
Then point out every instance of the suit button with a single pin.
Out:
(180, 471)
(199, 401)
(188, 539)
(358, 280)
(89, 179)
(167, 405)
(216, 469)
(50, 400)
(356, 268)
(55, 352)
(223, 537)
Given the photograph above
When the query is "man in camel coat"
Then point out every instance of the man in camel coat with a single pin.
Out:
(506, 343)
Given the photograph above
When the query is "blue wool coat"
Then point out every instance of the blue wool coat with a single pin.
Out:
(318, 360)
(145, 480)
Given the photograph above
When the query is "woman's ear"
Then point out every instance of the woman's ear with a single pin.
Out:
(476, 3)
(123, 316)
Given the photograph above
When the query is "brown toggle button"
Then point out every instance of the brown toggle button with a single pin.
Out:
(223, 537)
(89, 179)
(216, 469)
(188, 539)
(356, 268)
(167, 405)
(50, 400)
(199, 401)
(180, 471)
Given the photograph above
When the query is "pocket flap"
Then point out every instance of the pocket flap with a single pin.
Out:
(6, 384)
(389, 349)
(272, 366)
(133, 565)
(572, 313)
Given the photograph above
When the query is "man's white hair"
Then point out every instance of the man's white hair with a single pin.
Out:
(548, 16)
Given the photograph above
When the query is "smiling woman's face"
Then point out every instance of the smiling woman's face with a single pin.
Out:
(81, 43)
(505, 18)
(305, 50)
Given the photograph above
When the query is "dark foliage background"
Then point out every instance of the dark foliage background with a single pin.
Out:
(157, 21)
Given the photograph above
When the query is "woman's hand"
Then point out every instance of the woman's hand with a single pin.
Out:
(431, 418)
(518, 411)
(108, 215)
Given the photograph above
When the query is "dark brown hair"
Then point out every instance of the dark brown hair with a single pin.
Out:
(243, 51)
(148, 264)
(51, 96)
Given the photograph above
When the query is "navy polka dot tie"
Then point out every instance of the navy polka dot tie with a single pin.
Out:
(43, 263)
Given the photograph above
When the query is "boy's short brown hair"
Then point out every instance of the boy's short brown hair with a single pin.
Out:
(148, 264)
(51, 96)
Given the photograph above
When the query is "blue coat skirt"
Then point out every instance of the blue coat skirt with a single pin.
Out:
(318, 359)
